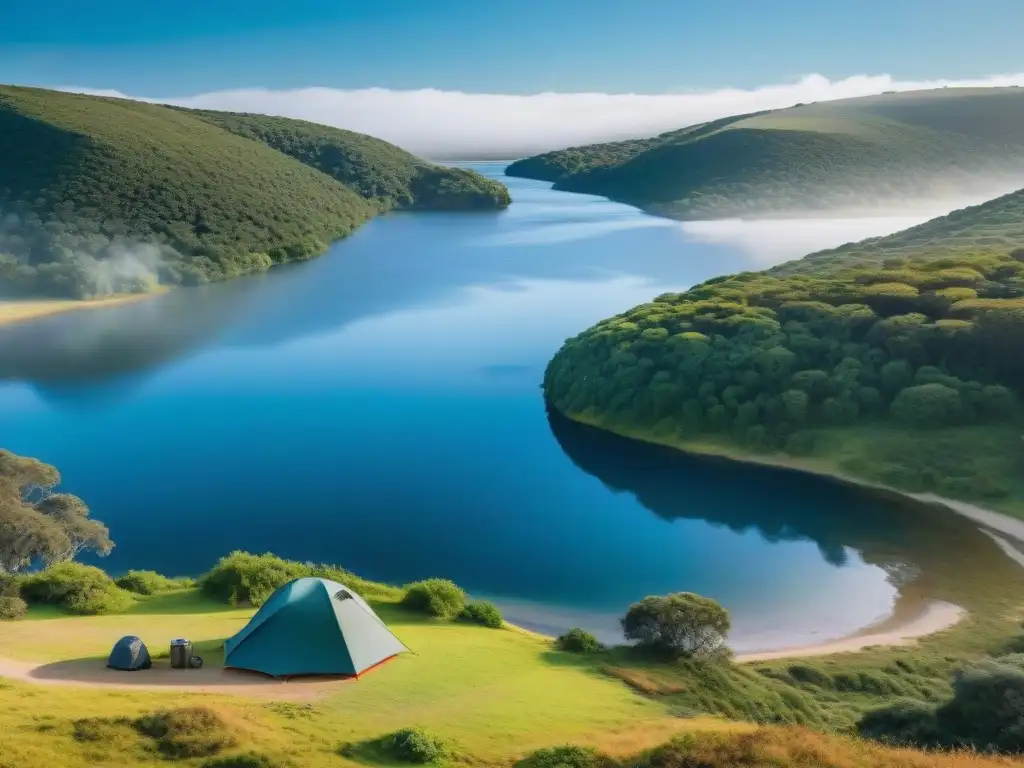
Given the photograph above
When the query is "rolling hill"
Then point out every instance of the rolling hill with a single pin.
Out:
(102, 195)
(994, 227)
(865, 153)
(372, 167)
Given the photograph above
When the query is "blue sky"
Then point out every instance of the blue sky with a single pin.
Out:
(164, 48)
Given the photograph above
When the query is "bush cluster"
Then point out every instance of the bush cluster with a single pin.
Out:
(243, 577)
(435, 597)
(12, 608)
(577, 640)
(244, 760)
(986, 712)
(187, 732)
(149, 582)
(567, 756)
(414, 745)
(82, 589)
(482, 612)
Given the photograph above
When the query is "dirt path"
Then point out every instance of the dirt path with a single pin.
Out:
(91, 673)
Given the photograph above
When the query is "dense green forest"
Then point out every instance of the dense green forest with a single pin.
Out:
(854, 153)
(908, 375)
(101, 195)
(372, 167)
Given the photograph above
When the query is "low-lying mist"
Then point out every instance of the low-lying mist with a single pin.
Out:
(127, 267)
(772, 241)
(74, 258)
(457, 125)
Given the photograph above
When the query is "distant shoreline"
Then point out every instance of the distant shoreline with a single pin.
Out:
(13, 312)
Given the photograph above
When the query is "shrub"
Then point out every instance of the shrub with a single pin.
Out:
(99, 602)
(245, 760)
(187, 732)
(568, 756)
(12, 608)
(244, 577)
(10, 585)
(903, 723)
(435, 597)
(482, 612)
(926, 405)
(805, 673)
(577, 640)
(413, 745)
(680, 624)
(79, 588)
(148, 582)
(987, 709)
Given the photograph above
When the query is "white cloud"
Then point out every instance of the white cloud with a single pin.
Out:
(439, 123)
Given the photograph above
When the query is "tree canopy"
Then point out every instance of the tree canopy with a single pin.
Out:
(38, 526)
(372, 167)
(771, 362)
(102, 195)
(681, 624)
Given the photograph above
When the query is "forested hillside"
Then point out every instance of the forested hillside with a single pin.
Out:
(909, 375)
(101, 195)
(372, 167)
(864, 153)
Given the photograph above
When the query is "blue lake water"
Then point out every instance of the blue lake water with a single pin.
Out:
(380, 408)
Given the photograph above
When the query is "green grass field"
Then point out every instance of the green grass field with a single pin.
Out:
(493, 694)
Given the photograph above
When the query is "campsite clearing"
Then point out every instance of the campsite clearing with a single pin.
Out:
(492, 694)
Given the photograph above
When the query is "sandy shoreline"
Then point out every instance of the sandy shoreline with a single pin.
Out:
(935, 617)
(12, 312)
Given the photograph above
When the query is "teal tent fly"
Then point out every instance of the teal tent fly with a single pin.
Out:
(312, 626)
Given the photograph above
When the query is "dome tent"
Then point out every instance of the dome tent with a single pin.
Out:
(129, 654)
(312, 626)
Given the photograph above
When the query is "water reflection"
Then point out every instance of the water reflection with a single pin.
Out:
(926, 553)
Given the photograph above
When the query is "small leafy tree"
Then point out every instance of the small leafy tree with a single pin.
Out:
(680, 624)
(38, 526)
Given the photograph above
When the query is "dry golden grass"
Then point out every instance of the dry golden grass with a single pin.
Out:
(802, 748)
